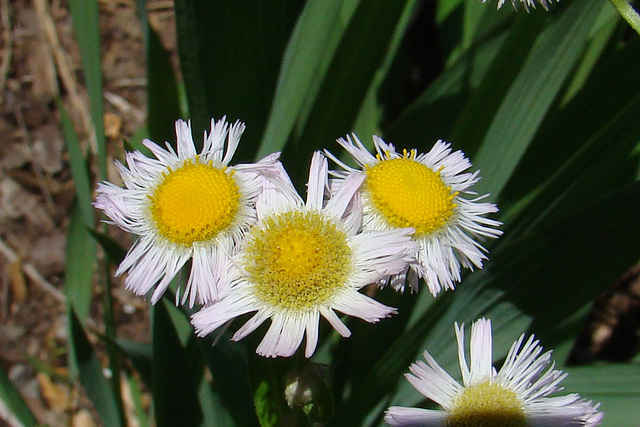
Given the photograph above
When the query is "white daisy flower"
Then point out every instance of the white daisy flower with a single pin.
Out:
(184, 205)
(517, 395)
(526, 3)
(306, 260)
(424, 191)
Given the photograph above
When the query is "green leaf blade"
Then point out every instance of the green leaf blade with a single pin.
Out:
(615, 387)
(81, 256)
(532, 93)
(90, 374)
(175, 393)
(230, 53)
(87, 28)
(534, 283)
(10, 400)
(304, 65)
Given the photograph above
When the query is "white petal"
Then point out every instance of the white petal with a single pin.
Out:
(186, 147)
(563, 411)
(399, 416)
(481, 347)
(358, 305)
(210, 318)
(357, 150)
(252, 324)
(335, 321)
(344, 195)
(433, 382)
(317, 181)
(235, 132)
(312, 333)
(208, 267)
(462, 360)
(283, 336)
(213, 148)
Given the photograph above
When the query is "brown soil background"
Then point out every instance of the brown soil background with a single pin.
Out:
(40, 62)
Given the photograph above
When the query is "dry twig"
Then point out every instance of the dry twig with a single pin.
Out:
(65, 71)
(124, 106)
(31, 272)
(7, 37)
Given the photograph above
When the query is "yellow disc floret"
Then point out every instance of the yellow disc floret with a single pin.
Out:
(408, 193)
(194, 202)
(297, 260)
(487, 405)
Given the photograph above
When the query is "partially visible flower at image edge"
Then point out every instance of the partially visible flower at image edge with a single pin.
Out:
(184, 205)
(428, 192)
(517, 395)
(526, 3)
(303, 261)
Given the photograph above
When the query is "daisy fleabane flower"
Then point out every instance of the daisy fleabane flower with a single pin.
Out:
(516, 395)
(303, 260)
(526, 3)
(184, 205)
(425, 192)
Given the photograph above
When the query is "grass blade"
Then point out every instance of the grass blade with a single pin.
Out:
(304, 65)
(547, 68)
(175, 393)
(13, 409)
(79, 169)
(80, 251)
(365, 46)
(163, 103)
(87, 28)
(615, 386)
(536, 283)
(230, 55)
(84, 360)
(79, 264)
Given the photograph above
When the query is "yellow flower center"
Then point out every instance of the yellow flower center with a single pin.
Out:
(487, 405)
(194, 202)
(409, 194)
(297, 260)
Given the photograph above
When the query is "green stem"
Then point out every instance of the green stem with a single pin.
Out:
(628, 13)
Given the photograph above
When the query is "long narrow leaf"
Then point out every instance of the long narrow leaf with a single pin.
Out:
(532, 93)
(136, 397)
(230, 55)
(434, 113)
(476, 117)
(90, 373)
(175, 393)
(79, 264)
(79, 169)
(364, 47)
(536, 282)
(304, 66)
(87, 28)
(227, 362)
(140, 356)
(112, 249)
(599, 131)
(614, 386)
(163, 103)
(13, 409)
(80, 251)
